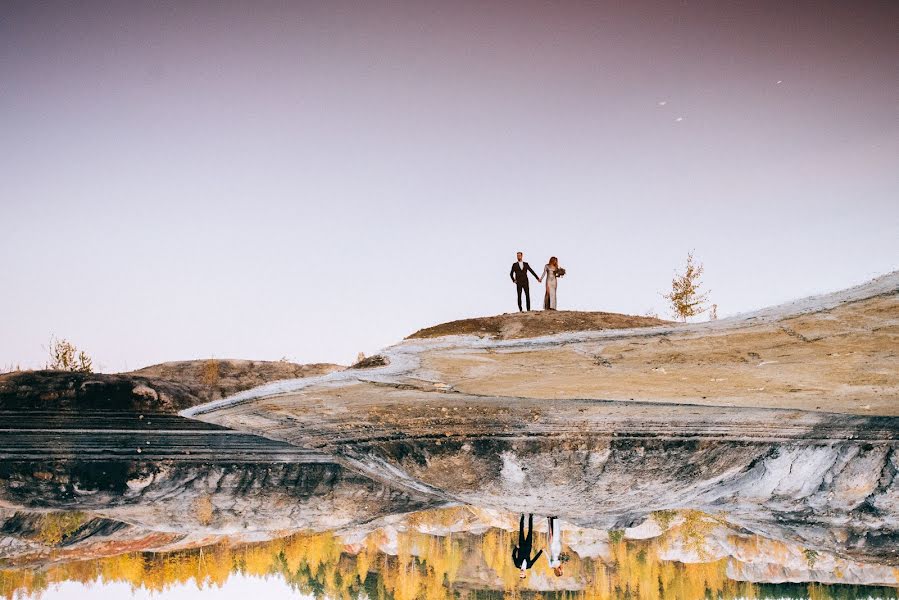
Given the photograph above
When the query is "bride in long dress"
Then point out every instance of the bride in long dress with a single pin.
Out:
(552, 272)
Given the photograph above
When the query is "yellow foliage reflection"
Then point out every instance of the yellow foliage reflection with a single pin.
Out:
(422, 566)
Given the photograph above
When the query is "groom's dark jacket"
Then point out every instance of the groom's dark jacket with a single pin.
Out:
(520, 276)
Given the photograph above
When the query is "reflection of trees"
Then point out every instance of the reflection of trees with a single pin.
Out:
(425, 567)
(54, 527)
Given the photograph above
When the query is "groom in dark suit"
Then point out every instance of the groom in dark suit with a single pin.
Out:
(521, 554)
(519, 275)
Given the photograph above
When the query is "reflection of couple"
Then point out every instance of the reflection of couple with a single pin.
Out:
(521, 554)
(551, 271)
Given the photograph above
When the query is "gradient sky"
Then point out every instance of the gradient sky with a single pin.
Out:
(311, 180)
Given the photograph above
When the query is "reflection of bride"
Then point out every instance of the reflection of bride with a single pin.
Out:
(555, 546)
(552, 272)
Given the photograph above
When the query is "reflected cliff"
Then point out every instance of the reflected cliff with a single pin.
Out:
(459, 552)
(838, 496)
(366, 501)
(186, 499)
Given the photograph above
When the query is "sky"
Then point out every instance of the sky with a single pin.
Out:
(310, 180)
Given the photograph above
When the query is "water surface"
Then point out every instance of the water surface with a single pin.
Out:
(457, 552)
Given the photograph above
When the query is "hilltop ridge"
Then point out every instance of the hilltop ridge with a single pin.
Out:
(536, 323)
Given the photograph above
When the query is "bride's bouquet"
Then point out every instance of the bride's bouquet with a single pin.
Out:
(560, 272)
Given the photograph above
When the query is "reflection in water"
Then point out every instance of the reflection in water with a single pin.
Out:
(454, 553)
(521, 553)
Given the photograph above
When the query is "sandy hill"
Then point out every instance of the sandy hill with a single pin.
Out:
(836, 353)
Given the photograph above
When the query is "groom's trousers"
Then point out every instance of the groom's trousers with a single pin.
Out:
(527, 294)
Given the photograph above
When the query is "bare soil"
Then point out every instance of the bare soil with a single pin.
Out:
(536, 324)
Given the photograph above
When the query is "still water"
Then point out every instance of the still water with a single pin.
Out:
(124, 505)
(458, 552)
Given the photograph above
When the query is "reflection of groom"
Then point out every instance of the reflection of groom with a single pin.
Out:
(519, 275)
(521, 554)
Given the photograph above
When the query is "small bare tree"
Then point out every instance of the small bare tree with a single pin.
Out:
(685, 299)
(65, 356)
(713, 313)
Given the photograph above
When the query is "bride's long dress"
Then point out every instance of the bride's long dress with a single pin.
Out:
(549, 299)
(555, 543)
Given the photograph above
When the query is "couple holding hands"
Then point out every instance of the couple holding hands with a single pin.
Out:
(521, 553)
(519, 274)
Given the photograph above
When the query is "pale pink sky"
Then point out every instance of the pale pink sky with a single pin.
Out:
(311, 180)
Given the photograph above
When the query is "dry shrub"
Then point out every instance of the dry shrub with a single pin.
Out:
(65, 356)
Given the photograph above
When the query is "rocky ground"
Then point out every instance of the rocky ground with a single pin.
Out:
(782, 423)
(59, 415)
(55, 391)
(218, 378)
(783, 419)
(167, 387)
